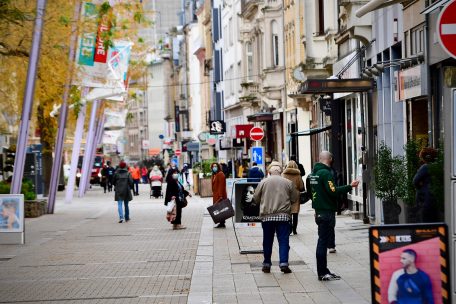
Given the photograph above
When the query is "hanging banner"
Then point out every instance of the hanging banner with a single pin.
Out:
(115, 120)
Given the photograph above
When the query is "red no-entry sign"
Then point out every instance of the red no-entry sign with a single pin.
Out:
(177, 152)
(446, 25)
(256, 133)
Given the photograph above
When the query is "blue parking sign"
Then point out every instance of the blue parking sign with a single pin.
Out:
(257, 155)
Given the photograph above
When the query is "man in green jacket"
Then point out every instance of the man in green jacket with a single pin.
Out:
(324, 201)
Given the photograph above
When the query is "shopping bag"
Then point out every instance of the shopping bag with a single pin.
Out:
(170, 206)
(171, 211)
(221, 211)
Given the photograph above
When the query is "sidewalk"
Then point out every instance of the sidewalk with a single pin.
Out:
(81, 254)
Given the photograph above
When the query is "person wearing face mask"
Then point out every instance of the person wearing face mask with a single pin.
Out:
(218, 187)
(175, 190)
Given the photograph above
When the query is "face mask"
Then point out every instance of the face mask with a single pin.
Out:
(214, 169)
(175, 176)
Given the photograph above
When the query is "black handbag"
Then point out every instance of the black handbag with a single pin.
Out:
(304, 197)
(221, 211)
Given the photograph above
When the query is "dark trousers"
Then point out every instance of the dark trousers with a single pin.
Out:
(294, 222)
(177, 221)
(326, 223)
(282, 229)
(136, 186)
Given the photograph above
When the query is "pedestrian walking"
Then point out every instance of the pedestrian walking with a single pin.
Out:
(144, 175)
(293, 174)
(325, 194)
(275, 195)
(136, 175)
(218, 187)
(175, 191)
(110, 175)
(185, 172)
(123, 183)
(104, 178)
(255, 173)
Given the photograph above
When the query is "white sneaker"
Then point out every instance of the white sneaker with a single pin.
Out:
(332, 250)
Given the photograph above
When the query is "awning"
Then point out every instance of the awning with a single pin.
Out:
(261, 116)
(311, 131)
(317, 86)
(375, 5)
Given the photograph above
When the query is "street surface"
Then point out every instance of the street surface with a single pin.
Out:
(81, 254)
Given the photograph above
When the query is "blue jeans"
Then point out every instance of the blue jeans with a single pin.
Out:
(282, 229)
(326, 223)
(120, 209)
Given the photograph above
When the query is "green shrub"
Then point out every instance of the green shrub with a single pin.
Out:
(28, 189)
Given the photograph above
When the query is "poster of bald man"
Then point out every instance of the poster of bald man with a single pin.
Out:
(409, 264)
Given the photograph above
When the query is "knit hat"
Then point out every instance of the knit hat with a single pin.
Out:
(122, 164)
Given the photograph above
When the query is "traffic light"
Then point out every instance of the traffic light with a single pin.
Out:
(10, 155)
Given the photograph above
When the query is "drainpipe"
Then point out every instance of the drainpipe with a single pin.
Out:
(428, 83)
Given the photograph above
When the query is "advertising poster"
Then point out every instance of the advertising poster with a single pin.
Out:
(11, 213)
(247, 211)
(409, 264)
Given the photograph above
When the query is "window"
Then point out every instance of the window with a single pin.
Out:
(417, 40)
(230, 30)
(319, 18)
(275, 43)
(249, 57)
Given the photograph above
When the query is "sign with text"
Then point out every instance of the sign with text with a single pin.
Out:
(243, 131)
(410, 264)
(217, 127)
(258, 155)
(411, 83)
(247, 211)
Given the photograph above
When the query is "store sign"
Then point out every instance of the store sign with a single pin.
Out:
(410, 84)
(243, 131)
(217, 127)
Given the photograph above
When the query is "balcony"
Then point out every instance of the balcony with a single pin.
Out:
(249, 7)
(250, 94)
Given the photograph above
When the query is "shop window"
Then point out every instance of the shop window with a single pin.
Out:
(417, 40)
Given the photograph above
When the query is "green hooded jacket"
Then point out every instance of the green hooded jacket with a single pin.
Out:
(324, 191)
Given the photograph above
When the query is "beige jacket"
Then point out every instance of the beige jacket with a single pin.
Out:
(275, 195)
(294, 175)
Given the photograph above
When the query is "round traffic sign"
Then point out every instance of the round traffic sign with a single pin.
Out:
(256, 133)
(177, 152)
(446, 25)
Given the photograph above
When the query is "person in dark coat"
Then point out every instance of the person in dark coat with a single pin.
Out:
(255, 173)
(175, 191)
(123, 183)
(425, 202)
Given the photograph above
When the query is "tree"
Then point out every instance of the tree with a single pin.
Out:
(16, 26)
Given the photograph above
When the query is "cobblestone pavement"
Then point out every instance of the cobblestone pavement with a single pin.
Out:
(81, 254)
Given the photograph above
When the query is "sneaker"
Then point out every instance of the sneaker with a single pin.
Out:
(266, 269)
(329, 277)
(332, 250)
(220, 226)
(285, 269)
(121, 221)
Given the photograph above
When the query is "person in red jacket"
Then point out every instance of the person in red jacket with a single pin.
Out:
(218, 187)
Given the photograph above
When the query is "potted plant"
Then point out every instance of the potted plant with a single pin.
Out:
(205, 182)
(389, 182)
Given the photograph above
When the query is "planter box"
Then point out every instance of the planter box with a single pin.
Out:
(205, 187)
(195, 184)
(35, 208)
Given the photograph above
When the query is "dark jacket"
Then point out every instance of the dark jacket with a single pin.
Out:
(123, 184)
(422, 183)
(174, 188)
(255, 174)
(302, 171)
(324, 190)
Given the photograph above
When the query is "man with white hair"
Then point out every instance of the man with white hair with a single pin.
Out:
(324, 201)
(275, 195)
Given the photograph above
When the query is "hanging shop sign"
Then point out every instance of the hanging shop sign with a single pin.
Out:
(217, 127)
(411, 83)
(243, 131)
